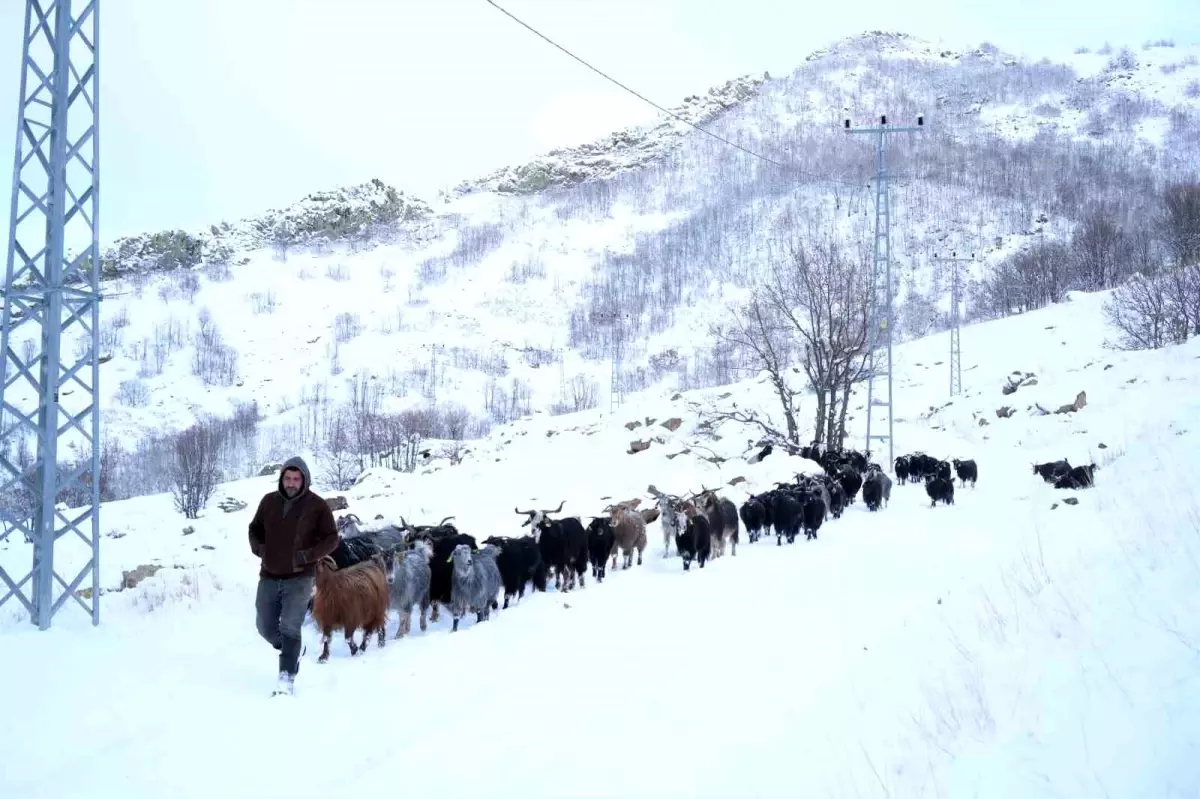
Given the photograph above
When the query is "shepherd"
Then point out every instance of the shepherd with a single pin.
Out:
(292, 529)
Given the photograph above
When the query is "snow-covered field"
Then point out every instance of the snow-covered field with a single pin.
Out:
(1008, 646)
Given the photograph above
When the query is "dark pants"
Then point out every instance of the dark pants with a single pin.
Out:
(281, 605)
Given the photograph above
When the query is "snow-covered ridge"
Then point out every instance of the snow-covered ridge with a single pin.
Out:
(342, 213)
(618, 152)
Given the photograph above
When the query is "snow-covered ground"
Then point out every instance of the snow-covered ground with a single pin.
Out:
(1011, 645)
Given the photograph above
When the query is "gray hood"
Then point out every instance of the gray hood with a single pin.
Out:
(296, 463)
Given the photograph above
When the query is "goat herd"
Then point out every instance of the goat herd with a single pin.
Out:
(428, 566)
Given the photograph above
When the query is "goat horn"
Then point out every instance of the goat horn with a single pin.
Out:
(354, 516)
(443, 521)
(524, 512)
(558, 509)
(404, 524)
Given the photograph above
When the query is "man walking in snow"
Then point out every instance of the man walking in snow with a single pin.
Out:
(292, 529)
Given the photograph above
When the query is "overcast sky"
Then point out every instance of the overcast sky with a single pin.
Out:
(218, 109)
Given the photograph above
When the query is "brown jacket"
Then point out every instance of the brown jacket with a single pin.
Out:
(291, 535)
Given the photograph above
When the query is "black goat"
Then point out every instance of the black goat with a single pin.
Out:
(695, 541)
(851, 481)
(967, 471)
(939, 489)
(1078, 477)
(1052, 470)
(876, 489)
(519, 561)
(813, 515)
(788, 515)
(563, 543)
(902, 469)
(600, 542)
(753, 515)
(921, 466)
(730, 513)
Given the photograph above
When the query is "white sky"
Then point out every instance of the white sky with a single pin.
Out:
(218, 109)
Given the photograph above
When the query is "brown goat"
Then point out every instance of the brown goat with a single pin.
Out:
(352, 598)
(629, 532)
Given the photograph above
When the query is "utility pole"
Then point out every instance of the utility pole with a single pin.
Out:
(50, 291)
(613, 318)
(879, 317)
(955, 299)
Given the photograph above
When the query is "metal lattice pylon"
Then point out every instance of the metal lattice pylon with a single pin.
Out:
(955, 320)
(51, 290)
(880, 317)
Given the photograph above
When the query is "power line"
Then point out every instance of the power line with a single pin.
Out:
(672, 114)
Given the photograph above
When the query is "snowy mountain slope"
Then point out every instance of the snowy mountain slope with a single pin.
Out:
(497, 302)
(1008, 645)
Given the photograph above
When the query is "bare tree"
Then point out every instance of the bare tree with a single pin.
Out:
(1141, 312)
(1181, 222)
(1100, 247)
(193, 468)
(582, 392)
(824, 293)
(761, 330)
(1182, 286)
(455, 421)
(340, 463)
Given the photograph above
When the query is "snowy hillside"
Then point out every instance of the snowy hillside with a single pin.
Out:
(501, 298)
(1023, 642)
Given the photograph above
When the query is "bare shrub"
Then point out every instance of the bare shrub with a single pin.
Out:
(213, 361)
(475, 242)
(1180, 223)
(581, 393)
(263, 302)
(1192, 90)
(1141, 313)
(346, 326)
(508, 405)
(455, 420)
(111, 337)
(193, 468)
(537, 357)
(218, 271)
(1100, 247)
(120, 317)
(385, 275)
(333, 352)
(520, 272)
(340, 464)
(83, 347)
(187, 283)
(133, 393)
(337, 272)
(170, 336)
(1183, 291)
(1027, 280)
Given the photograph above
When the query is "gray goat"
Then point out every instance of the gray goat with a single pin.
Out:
(408, 577)
(670, 518)
(474, 582)
(629, 532)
